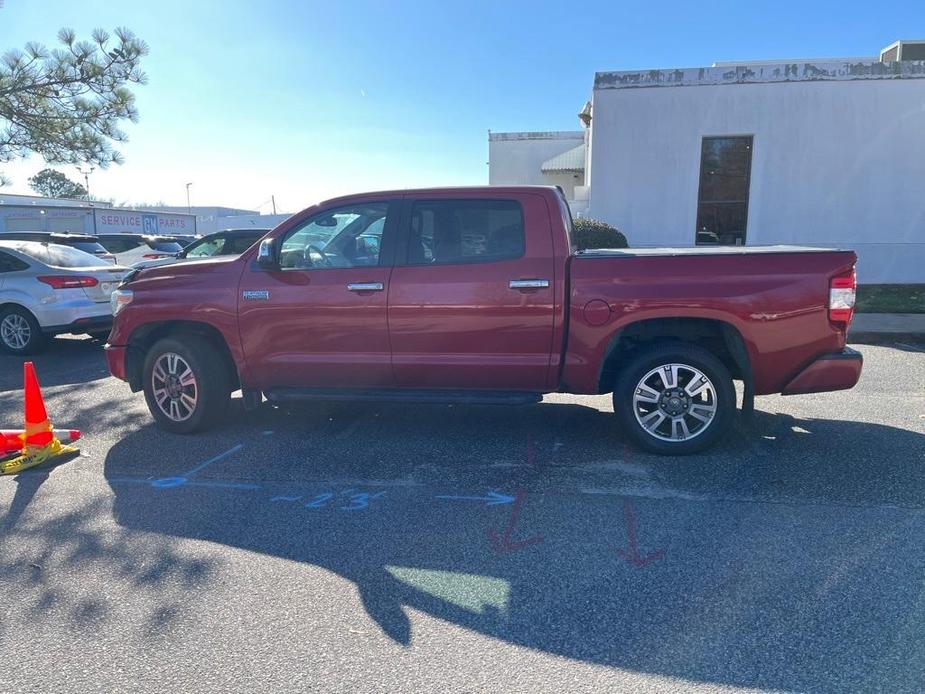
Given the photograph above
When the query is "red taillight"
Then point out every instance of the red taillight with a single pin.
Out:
(68, 281)
(842, 292)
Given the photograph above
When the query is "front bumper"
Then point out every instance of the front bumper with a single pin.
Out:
(837, 371)
(115, 360)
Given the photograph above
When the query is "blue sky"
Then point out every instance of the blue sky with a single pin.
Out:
(308, 100)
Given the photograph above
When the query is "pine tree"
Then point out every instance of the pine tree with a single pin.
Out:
(66, 104)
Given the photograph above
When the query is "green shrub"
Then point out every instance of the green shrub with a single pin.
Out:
(592, 233)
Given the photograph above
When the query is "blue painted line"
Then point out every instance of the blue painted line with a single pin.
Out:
(220, 456)
(493, 498)
(168, 482)
(224, 485)
(173, 482)
(128, 480)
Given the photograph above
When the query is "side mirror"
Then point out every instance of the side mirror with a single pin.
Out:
(266, 255)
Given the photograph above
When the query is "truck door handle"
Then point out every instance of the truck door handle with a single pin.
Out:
(366, 286)
(529, 284)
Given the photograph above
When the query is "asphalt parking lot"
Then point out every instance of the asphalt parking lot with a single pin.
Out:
(359, 547)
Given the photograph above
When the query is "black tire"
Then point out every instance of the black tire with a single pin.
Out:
(212, 390)
(36, 338)
(690, 358)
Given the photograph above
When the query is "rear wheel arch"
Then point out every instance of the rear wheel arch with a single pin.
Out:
(146, 336)
(720, 338)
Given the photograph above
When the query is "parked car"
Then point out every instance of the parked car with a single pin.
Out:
(48, 289)
(475, 295)
(132, 248)
(227, 242)
(82, 242)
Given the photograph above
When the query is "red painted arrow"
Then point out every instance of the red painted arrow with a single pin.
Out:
(631, 555)
(504, 544)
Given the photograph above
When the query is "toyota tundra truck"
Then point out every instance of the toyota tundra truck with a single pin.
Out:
(479, 295)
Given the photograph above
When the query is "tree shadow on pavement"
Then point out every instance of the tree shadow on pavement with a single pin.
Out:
(68, 564)
(785, 564)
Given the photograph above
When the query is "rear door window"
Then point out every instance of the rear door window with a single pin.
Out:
(206, 247)
(165, 246)
(120, 244)
(9, 263)
(465, 231)
(88, 247)
(236, 245)
(59, 256)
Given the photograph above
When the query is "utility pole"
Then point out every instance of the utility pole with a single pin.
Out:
(273, 200)
(86, 174)
(188, 208)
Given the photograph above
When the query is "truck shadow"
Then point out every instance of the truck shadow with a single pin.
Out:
(64, 361)
(783, 563)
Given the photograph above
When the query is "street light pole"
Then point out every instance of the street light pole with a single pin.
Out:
(86, 174)
(188, 208)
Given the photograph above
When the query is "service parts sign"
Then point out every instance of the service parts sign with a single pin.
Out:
(130, 221)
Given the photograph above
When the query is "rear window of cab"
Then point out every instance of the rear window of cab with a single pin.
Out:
(55, 255)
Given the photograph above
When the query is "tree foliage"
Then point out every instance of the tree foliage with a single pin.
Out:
(592, 233)
(66, 104)
(55, 184)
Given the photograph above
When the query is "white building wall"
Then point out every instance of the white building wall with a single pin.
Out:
(835, 163)
(516, 158)
(242, 221)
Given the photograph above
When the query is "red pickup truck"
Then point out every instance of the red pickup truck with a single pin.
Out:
(479, 295)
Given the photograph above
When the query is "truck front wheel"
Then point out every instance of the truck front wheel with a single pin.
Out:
(185, 384)
(674, 399)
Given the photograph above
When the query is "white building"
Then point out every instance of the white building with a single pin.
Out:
(824, 153)
(211, 218)
(34, 213)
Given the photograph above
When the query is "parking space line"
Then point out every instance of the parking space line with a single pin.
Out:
(220, 456)
(912, 347)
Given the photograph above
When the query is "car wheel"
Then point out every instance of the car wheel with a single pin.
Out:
(185, 384)
(20, 333)
(674, 399)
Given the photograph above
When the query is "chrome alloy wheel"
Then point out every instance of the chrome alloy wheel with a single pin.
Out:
(15, 331)
(174, 385)
(674, 402)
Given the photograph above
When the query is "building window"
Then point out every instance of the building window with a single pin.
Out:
(722, 206)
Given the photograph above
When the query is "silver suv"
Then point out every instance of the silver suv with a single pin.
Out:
(48, 289)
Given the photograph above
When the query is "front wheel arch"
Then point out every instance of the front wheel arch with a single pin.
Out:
(144, 337)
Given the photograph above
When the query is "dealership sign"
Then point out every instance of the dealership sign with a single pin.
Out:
(129, 221)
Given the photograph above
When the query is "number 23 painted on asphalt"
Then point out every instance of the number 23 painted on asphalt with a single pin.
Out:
(357, 501)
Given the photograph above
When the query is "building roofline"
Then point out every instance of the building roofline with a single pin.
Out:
(761, 74)
(537, 135)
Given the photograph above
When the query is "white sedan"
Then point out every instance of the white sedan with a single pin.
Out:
(47, 289)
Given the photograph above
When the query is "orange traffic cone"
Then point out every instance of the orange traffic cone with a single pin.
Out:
(39, 442)
(12, 440)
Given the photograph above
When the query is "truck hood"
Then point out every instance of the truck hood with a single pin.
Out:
(188, 270)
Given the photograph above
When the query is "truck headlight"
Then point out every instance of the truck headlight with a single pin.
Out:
(120, 299)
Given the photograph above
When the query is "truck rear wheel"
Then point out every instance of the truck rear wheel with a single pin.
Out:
(185, 384)
(674, 399)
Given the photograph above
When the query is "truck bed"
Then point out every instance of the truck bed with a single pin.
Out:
(698, 250)
(775, 297)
